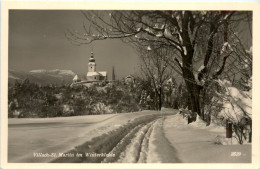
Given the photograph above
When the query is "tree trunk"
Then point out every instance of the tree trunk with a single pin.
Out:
(192, 88)
(187, 68)
(160, 99)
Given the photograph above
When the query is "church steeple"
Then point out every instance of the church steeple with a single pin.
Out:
(113, 74)
(91, 59)
(92, 64)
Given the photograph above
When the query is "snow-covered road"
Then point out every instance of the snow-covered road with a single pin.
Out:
(165, 139)
(58, 135)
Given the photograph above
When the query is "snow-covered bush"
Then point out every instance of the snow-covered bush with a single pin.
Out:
(233, 105)
(67, 110)
(101, 108)
(237, 104)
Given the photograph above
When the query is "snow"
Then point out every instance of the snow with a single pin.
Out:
(184, 50)
(131, 153)
(201, 68)
(63, 72)
(166, 140)
(202, 81)
(226, 47)
(169, 81)
(103, 73)
(159, 34)
(250, 51)
(93, 74)
(148, 30)
(199, 123)
(226, 16)
(178, 18)
(117, 147)
(180, 63)
(76, 78)
(144, 148)
(167, 33)
(38, 71)
(153, 156)
(138, 29)
(180, 38)
(237, 104)
(177, 121)
(68, 132)
(55, 71)
(157, 26)
(195, 142)
(13, 77)
(159, 149)
(203, 12)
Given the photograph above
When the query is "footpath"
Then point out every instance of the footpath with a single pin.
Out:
(196, 142)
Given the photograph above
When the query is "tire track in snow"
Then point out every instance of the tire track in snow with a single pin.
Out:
(120, 145)
(149, 145)
(144, 146)
(133, 151)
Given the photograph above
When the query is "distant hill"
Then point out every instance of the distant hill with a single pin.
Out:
(42, 76)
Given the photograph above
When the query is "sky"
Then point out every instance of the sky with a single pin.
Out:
(37, 41)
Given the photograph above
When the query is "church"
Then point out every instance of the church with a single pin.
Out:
(92, 75)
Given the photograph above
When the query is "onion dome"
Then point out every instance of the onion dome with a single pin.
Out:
(91, 59)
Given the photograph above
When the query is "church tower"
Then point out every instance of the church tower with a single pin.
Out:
(91, 64)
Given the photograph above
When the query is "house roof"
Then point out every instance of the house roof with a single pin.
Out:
(97, 73)
(103, 73)
(76, 78)
(93, 74)
(129, 76)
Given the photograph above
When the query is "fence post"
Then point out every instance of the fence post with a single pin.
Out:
(228, 129)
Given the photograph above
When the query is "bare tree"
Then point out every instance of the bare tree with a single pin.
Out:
(155, 65)
(193, 35)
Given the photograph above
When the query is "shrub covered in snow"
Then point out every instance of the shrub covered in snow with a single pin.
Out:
(101, 108)
(233, 105)
(237, 104)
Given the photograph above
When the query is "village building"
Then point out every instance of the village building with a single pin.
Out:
(129, 79)
(76, 79)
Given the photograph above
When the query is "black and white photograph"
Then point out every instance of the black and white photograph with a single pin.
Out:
(130, 86)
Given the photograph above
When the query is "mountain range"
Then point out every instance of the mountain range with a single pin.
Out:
(42, 76)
